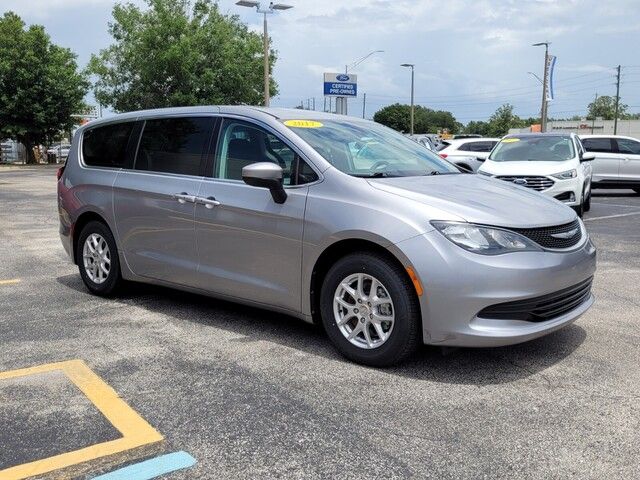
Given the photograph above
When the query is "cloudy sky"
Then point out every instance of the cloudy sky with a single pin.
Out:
(471, 55)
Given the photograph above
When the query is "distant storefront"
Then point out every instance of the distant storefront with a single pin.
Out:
(12, 152)
(630, 128)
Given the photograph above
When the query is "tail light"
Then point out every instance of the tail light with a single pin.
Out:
(443, 155)
(60, 171)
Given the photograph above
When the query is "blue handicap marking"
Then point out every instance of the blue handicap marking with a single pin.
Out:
(151, 468)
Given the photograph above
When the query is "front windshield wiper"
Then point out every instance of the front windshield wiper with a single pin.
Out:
(373, 175)
(436, 172)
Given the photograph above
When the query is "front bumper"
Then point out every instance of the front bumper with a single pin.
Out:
(561, 188)
(459, 284)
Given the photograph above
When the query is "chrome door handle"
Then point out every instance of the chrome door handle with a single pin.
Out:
(184, 197)
(208, 202)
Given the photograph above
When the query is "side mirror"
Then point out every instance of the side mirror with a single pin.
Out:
(588, 156)
(266, 175)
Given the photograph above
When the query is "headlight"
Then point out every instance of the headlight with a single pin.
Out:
(484, 240)
(485, 173)
(566, 175)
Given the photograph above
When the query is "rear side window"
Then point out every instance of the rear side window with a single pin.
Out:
(106, 146)
(602, 145)
(628, 146)
(174, 145)
(485, 146)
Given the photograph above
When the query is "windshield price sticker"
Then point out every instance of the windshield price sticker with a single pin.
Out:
(303, 124)
(510, 140)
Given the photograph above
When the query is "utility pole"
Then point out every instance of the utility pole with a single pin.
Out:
(593, 120)
(364, 104)
(543, 109)
(615, 119)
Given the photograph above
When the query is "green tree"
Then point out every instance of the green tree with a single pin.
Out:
(40, 85)
(478, 127)
(426, 120)
(605, 107)
(396, 116)
(178, 52)
(502, 120)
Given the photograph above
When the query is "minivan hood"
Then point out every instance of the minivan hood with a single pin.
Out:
(527, 168)
(482, 200)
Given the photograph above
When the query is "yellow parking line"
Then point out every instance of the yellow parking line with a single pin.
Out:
(10, 282)
(136, 432)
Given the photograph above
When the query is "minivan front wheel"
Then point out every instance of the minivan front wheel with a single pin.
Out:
(97, 259)
(370, 310)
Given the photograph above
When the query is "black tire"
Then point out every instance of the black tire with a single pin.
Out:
(580, 208)
(405, 335)
(587, 202)
(110, 285)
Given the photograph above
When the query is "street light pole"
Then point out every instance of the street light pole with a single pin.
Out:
(543, 108)
(265, 38)
(412, 66)
(343, 100)
(267, 81)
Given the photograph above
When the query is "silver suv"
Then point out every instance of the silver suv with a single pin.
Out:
(332, 219)
(617, 162)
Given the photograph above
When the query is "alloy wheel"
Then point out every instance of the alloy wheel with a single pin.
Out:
(96, 258)
(363, 310)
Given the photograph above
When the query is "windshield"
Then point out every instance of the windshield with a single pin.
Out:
(369, 149)
(543, 148)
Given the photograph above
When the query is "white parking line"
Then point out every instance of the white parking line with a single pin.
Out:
(611, 216)
(613, 205)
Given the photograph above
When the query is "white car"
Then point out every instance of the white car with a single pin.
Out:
(423, 140)
(468, 153)
(554, 164)
(60, 150)
(617, 162)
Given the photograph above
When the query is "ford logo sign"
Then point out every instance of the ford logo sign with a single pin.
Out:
(520, 181)
(342, 77)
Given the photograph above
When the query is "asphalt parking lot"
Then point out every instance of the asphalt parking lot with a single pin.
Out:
(253, 394)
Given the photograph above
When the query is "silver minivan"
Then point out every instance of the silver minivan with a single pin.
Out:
(336, 220)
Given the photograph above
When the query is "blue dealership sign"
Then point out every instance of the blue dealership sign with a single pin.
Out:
(340, 85)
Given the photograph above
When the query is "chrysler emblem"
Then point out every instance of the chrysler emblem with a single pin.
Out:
(565, 235)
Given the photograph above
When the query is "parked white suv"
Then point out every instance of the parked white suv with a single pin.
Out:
(554, 164)
(468, 153)
(617, 162)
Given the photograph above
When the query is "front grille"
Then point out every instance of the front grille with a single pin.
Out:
(534, 182)
(540, 309)
(561, 236)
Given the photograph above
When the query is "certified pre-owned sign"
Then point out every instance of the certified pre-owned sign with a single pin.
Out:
(340, 85)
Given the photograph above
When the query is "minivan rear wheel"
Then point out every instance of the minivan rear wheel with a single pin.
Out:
(97, 259)
(370, 310)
